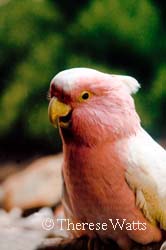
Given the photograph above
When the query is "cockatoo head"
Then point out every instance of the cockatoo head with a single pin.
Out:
(90, 106)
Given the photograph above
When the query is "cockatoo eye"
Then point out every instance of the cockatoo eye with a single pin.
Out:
(85, 95)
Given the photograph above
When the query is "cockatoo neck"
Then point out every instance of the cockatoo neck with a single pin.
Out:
(100, 134)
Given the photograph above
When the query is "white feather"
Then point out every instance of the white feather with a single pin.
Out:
(130, 83)
(70, 78)
(145, 162)
(144, 152)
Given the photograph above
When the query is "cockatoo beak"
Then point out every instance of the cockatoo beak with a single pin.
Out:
(59, 113)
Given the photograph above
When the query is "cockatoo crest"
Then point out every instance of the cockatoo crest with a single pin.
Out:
(131, 83)
(68, 79)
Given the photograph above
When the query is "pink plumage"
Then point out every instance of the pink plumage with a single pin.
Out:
(96, 152)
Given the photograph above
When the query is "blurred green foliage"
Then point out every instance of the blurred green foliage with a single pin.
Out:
(38, 38)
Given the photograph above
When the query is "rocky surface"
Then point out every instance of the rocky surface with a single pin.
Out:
(38, 185)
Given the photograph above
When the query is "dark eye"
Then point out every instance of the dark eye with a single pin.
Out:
(85, 96)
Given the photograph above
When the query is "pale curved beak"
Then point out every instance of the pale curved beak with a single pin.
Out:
(58, 113)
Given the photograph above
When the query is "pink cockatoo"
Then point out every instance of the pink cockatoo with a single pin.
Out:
(113, 170)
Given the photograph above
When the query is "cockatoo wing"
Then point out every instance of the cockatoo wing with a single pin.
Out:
(146, 175)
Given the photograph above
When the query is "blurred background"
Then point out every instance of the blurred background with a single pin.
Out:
(38, 38)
